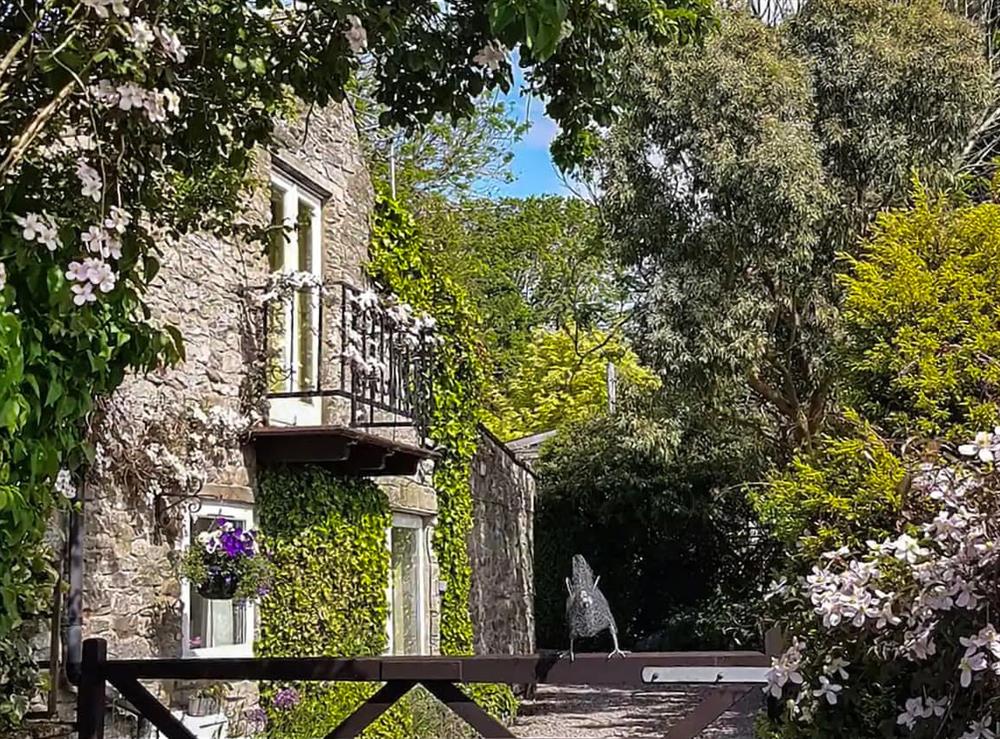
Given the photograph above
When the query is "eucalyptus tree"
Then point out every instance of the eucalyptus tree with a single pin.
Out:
(739, 173)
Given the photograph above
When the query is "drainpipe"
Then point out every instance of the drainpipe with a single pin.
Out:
(74, 602)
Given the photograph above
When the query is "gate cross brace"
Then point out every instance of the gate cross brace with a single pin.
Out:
(446, 692)
(362, 717)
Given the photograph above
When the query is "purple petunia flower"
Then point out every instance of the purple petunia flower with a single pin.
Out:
(286, 698)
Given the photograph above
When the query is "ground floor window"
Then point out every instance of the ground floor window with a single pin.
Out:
(409, 585)
(217, 628)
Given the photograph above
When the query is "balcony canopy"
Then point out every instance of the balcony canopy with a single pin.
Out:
(343, 450)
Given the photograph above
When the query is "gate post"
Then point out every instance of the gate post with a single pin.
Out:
(90, 695)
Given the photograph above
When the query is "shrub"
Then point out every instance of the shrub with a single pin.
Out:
(653, 510)
(898, 633)
(922, 318)
(844, 491)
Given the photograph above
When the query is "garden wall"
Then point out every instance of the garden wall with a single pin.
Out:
(501, 550)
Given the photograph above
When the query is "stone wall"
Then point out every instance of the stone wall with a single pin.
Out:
(501, 549)
(131, 594)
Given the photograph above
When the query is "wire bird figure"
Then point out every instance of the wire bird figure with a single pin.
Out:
(587, 610)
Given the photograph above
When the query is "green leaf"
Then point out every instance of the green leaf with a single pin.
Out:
(178, 341)
(502, 14)
(55, 392)
(9, 414)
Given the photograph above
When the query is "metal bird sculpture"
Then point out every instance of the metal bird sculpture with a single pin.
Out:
(587, 609)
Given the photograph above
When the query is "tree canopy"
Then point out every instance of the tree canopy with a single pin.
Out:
(741, 171)
(561, 380)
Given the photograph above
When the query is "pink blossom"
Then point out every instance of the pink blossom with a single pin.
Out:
(827, 690)
(90, 180)
(83, 293)
(969, 664)
(171, 44)
(980, 729)
(130, 95)
(141, 35)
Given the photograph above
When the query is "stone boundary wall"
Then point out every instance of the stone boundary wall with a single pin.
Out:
(501, 550)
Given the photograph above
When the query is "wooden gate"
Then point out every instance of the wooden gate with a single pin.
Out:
(728, 676)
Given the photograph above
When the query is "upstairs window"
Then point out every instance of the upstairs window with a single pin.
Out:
(293, 324)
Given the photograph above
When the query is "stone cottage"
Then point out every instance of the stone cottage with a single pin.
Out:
(265, 380)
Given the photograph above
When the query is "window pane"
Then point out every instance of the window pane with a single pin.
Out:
(277, 338)
(405, 590)
(214, 623)
(305, 302)
(276, 246)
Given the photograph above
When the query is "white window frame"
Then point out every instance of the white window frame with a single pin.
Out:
(299, 411)
(421, 525)
(242, 512)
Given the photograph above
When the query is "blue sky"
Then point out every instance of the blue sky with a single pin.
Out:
(534, 172)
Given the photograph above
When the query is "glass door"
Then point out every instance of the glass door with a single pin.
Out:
(408, 586)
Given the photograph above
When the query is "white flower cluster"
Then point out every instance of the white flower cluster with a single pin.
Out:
(91, 274)
(219, 427)
(377, 318)
(40, 228)
(785, 669)
(101, 7)
(915, 597)
(87, 275)
(156, 104)
(104, 241)
(153, 449)
(90, 181)
(986, 446)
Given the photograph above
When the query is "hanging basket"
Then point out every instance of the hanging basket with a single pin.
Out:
(218, 585)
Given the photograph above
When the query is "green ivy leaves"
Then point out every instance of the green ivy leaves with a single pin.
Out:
(400, 263)
(328, 597)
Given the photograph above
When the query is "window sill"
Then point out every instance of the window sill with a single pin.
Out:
(238, 650)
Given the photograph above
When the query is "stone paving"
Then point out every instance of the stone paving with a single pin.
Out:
(583, 712)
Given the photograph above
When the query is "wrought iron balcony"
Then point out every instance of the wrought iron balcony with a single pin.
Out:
(337, 355)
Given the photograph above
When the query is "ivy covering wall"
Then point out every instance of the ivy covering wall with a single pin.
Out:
(400, 264)
(327, 535)
(328, 532)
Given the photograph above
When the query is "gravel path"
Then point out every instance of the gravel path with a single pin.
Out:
(580, 712)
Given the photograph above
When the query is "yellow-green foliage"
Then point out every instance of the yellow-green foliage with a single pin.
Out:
(562, 379)
(846, 491)
(922, 314)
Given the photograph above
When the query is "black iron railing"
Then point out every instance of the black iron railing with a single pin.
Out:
(368, 355)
